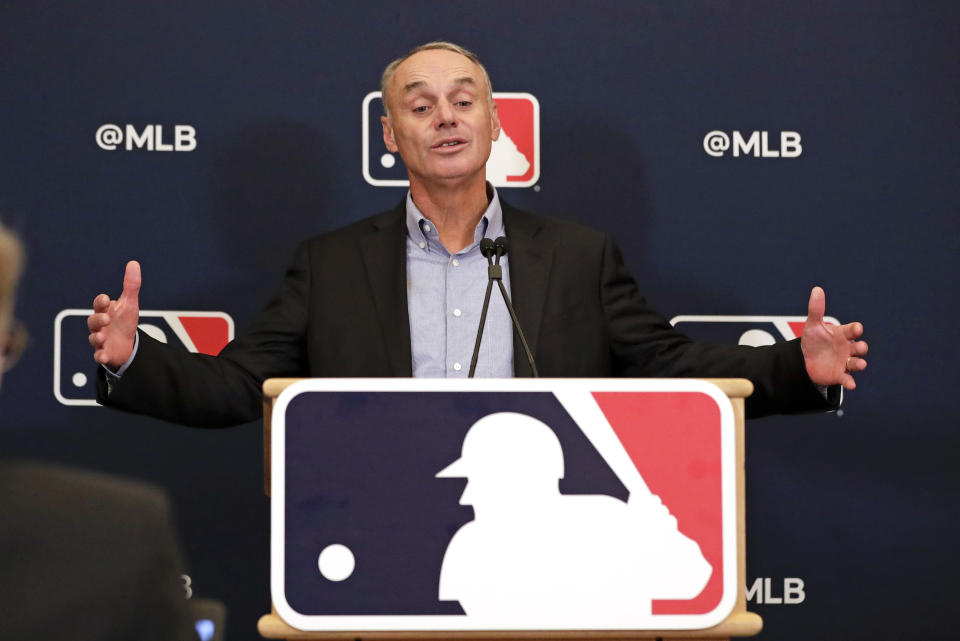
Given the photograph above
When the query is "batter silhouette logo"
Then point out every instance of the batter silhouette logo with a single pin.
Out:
(514, 158)
(503, 505)
(73, 364)
(744, 330)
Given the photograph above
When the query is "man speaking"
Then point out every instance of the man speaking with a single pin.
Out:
(399, 293)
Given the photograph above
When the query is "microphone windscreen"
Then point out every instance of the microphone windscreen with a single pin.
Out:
(486, 247)
(502, 245)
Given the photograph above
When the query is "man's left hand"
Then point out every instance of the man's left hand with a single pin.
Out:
(831, 354)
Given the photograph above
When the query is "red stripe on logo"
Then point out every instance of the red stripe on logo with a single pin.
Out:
(673, 438)
(516, 118)
(209, 334)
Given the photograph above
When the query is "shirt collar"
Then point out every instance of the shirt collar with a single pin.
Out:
(490, 225)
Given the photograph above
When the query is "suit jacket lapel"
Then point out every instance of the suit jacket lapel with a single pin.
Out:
(531, 259)
(384, 255)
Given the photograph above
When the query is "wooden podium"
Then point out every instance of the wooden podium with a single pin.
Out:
(739, 623)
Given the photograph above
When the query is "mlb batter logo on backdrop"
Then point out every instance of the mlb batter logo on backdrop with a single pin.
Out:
(503, 505)
(73, 364)
(744, 330)
(514, 159)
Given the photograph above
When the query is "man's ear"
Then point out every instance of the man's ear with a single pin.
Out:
(388, 139)
(494, 122)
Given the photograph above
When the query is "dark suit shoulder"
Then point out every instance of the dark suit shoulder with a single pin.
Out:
(72, 487)
(535, 224)
(47, 495)
(386, 219)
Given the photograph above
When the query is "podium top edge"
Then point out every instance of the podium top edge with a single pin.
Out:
(732, 387)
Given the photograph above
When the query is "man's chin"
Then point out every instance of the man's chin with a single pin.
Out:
(455, 174)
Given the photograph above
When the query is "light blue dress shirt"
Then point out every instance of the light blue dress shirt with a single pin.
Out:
(445, 297)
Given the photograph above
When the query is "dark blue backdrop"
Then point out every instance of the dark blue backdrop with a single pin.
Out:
(860, 506)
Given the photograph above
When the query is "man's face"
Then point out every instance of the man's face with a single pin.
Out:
(441, 121)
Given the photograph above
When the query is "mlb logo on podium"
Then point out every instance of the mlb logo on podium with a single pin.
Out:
(514, 157)
(201, 332)
(526, 504)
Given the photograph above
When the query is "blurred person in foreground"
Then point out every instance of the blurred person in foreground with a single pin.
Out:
(83, 556)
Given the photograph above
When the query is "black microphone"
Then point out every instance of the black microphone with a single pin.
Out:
(501, 247)
(487, 249)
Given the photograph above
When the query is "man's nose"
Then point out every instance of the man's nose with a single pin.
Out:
(446, 116)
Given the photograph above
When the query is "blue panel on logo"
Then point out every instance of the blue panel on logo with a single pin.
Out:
(360, 472)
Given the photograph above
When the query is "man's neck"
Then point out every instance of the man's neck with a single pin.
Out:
(455, 209)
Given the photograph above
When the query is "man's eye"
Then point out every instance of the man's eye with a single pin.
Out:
(421, 109)
(464, 103)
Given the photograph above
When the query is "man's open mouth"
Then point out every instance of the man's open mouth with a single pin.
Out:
(446, 144)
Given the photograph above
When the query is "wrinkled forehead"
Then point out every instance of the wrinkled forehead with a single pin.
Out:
(427, 69)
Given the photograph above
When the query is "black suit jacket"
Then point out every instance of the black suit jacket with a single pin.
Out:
(341, 311)
(87, 557)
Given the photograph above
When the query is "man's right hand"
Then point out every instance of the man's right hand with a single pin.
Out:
(113, 323)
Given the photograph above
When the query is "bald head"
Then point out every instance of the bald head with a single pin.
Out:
(388, 73)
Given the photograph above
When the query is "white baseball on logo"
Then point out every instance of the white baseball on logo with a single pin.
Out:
(336, 562)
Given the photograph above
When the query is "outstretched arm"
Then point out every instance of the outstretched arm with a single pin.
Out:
(197, 389)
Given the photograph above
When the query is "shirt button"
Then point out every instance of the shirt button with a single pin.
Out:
(422, 245)
(457, 367)
(456, 263)
(457, 313)
(426, 228)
